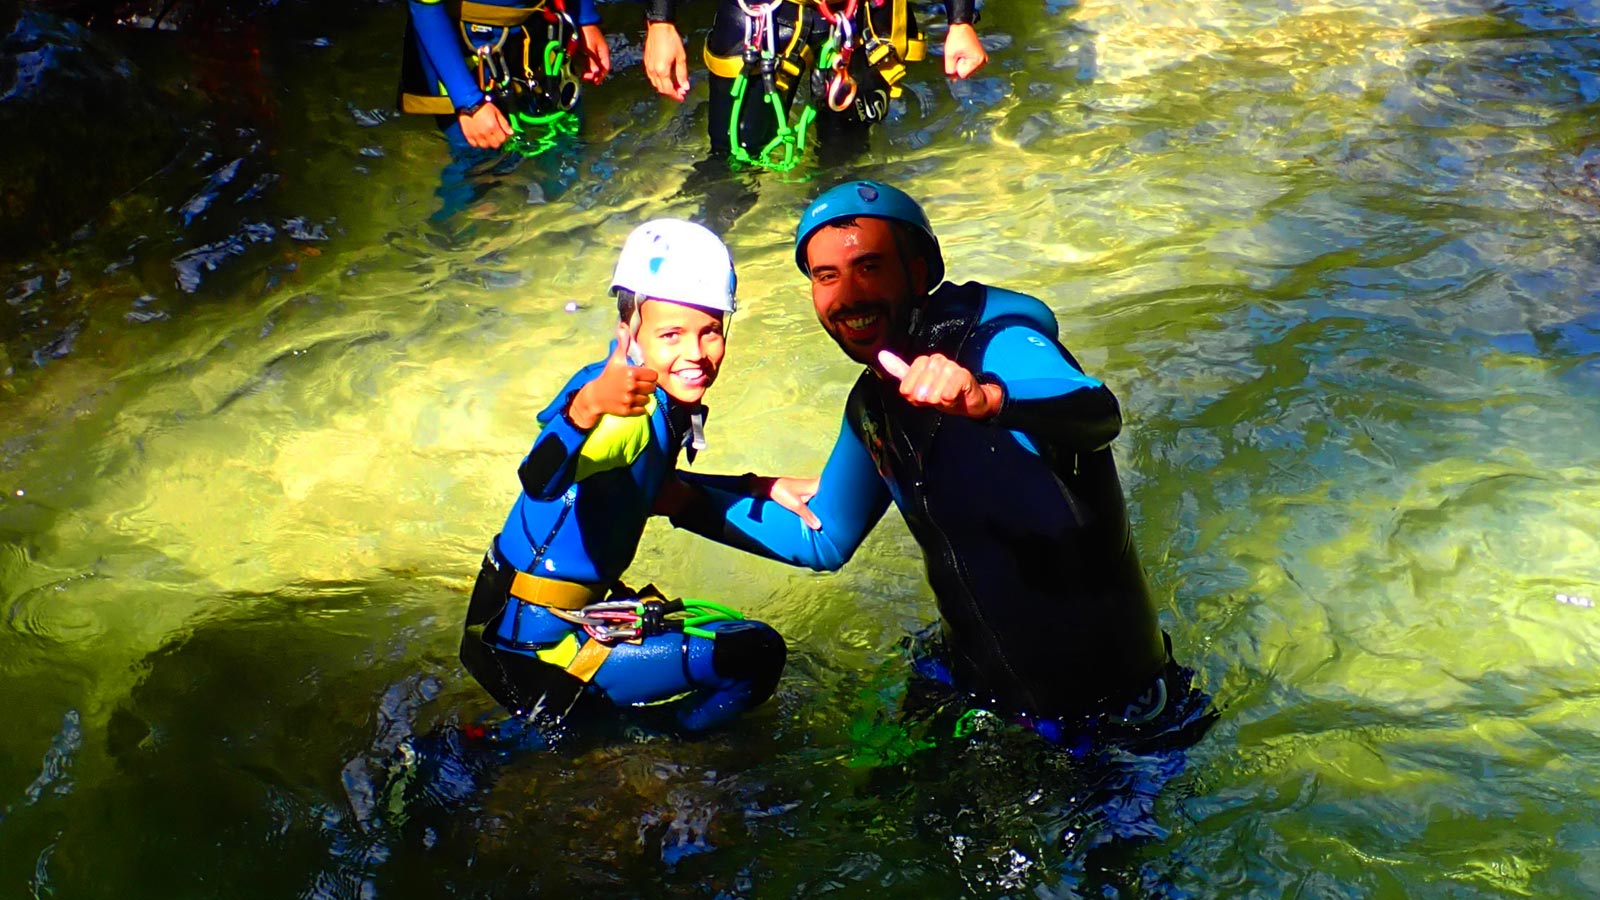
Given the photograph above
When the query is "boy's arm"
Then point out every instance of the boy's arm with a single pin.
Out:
(600, 421)
(849, 501)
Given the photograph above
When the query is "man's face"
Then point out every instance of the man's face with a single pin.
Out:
(862, 288)
(683, 344)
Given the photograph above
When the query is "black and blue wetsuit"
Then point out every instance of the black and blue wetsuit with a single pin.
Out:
(577, 521)
(436, 76)
(1021, 518)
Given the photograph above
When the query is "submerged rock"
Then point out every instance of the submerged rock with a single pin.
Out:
(81, 127)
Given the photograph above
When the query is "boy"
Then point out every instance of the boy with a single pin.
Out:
(549, 622)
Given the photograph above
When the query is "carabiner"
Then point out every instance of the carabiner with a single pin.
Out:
(841, 81)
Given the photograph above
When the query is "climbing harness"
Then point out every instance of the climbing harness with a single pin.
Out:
(646, 616)
(550, 83)
(760, 63)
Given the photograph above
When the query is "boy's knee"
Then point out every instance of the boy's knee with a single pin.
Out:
(751, 652)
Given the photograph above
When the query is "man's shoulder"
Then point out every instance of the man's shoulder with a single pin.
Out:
(1000, 303)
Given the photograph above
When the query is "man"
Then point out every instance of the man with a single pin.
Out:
(994, 444)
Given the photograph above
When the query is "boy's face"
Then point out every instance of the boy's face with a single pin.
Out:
(683, 344)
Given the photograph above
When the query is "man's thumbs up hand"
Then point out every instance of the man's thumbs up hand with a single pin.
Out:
(942, 383)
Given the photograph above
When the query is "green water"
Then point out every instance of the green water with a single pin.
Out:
(1339, 261)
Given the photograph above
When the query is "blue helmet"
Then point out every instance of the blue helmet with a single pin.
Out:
(875, 200)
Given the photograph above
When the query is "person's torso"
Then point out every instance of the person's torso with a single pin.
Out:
(1027, 547)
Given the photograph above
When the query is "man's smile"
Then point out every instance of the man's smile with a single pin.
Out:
(859, 325)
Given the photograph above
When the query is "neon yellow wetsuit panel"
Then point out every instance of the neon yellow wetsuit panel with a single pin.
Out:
(615, 442)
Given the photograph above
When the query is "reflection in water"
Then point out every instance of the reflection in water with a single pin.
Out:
(1338, 262)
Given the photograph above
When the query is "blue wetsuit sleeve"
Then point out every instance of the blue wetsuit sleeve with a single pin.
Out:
(437, 32)
(588, 13)
(850, 500)
(551, 466)
(1046, 394)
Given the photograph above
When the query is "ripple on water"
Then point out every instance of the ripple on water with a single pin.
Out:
(60, 612)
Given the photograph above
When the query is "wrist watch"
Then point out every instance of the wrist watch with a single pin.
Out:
(473, 109)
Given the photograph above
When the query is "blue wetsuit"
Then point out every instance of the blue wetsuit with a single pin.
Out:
(1021, 518)
(578, 520)
(435, 75)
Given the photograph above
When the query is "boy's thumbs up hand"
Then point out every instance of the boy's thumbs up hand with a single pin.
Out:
(622, 389)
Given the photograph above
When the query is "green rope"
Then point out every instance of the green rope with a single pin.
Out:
(791, 141)
(706, 612)
(534, 134)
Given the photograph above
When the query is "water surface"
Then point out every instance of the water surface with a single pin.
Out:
(1338, 260)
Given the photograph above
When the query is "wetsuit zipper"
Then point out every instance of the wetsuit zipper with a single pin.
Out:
(567, 500)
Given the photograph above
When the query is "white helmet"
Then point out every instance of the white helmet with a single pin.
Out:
(671, 259)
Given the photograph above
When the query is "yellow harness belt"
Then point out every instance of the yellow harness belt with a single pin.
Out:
(580, 662)
(567, 595)
(900, 44)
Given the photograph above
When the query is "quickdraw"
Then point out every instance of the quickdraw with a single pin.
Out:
(784, 151)
(629, 620)
(561, 53)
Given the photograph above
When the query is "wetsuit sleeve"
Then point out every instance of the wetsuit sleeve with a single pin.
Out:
(614, 442)
(850, 500)
(588, 13)
(557, 456)
(437, 32)
(666, 10)
(961, 12)
(1046, 394)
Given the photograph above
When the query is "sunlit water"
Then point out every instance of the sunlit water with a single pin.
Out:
(1338, 260)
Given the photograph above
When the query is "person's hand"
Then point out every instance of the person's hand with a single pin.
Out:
(963, 52)
(939, 382)
(622, 389)
(486, 129)
(596, 54)
(665, 62)
(792, 494)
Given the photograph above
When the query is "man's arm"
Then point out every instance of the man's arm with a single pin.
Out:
(1044, 391)
(666, 63)
(485, 126)
(963, 52)
(849, 501)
